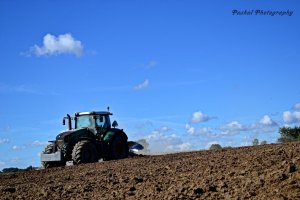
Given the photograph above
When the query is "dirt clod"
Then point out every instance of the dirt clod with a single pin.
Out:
(198, 191)
(293, 168)
(10, 189)
(212, 189)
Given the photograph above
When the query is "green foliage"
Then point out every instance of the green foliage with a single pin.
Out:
(10, 169)
(289, 134)
(29, 168)
(215, 147)
(263, 142)
(255, 142)
(15, 169)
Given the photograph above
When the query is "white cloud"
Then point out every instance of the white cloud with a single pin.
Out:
(17, 148)
(291, 117)
(190, 129)
(267, 121)
(296, 106)
(142, 85)
(207, 131)
(4, 141)
(203, 131)
(33, 144)
(184, 146)
(179, 147)
(151, 64)
(265, 125)
(62, 44)
(200, 117)
(161, 142)
(164, 139)
(164, 129)
(234, 127)
(37, 144)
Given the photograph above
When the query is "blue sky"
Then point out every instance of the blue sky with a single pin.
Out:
(181, 74)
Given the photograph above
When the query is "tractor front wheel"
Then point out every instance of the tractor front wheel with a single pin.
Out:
(84, 151)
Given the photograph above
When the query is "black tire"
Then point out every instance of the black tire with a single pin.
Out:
(51, 164)
(50, 149)
(84, 151)
(118, 148)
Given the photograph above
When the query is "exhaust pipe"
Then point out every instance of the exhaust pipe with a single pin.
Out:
(69, 122)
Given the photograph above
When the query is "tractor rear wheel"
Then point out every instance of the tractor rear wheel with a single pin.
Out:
(50, 149)
(118, 148)
(84, 151)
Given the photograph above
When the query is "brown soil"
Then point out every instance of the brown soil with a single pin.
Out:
(261, 172)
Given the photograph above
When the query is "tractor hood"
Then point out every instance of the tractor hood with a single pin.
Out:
(62, 135)
(65, 134)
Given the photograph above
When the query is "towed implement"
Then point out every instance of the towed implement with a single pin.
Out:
(93, 137)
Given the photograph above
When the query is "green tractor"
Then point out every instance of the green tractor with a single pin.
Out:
(92, 138)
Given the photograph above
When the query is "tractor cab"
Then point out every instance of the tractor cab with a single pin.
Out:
(97, 122)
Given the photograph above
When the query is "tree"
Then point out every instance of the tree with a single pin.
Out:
(15, 169)
(263, 142)
(29, 168)
(255, 142)
(10, 169)
(215, 147)
(289, 134)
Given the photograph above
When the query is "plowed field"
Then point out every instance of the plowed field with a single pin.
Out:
(261, 172)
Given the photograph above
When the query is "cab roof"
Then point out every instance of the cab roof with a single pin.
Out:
(93, 113)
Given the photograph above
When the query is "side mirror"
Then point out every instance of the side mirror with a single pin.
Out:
(115, 124)
(64, 121)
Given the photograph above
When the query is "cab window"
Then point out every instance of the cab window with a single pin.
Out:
(100, 121)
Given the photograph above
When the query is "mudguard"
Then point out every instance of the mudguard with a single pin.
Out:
(112, 133)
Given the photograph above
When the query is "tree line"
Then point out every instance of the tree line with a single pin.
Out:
(287, 134)
(15, 169)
